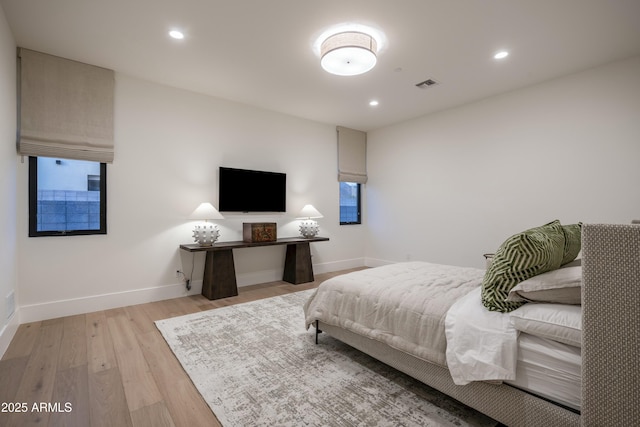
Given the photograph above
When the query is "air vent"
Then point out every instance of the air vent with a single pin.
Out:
(427, 84)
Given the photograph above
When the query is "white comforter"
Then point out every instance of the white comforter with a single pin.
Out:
(403, 305)
(407, 305)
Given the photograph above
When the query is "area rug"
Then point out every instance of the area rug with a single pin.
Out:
(255, 364)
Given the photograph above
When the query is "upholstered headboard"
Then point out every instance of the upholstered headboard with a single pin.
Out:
(611, 325)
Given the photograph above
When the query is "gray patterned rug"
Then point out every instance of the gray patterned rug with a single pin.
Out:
(255, 364)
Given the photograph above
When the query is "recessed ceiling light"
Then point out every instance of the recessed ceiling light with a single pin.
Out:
(373, 103)
(501, 55)
(178, 35)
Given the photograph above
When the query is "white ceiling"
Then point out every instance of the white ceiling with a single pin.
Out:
(261, 53)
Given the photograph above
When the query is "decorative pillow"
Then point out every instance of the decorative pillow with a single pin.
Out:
(520, 257)
(561, 286)
(557, 322)
(572, 242)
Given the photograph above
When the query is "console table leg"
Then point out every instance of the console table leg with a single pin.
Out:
(219, 279)
(297, 264)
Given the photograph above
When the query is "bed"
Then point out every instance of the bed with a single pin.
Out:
(421, 318)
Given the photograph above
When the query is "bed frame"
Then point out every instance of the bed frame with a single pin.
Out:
(610, 346)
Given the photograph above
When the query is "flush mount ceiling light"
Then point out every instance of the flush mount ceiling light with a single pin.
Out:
(348, 53)
(501, 55)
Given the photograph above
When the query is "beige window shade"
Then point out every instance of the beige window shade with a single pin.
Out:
(352, 155)
(66, 108)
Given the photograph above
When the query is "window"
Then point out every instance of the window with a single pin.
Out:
(349, 203)
(67, 197)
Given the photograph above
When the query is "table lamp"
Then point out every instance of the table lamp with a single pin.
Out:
(308, 227)
(206, 233)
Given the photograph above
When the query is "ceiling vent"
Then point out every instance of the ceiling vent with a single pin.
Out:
(426, 84)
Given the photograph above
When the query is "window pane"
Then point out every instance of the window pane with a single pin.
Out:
(349, 203)
(66, 196)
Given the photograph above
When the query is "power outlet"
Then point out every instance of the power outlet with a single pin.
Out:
(10, 304)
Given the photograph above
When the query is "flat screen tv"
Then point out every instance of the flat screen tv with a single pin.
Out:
(242, 190)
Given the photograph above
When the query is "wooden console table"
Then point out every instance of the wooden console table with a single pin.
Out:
(219, 280)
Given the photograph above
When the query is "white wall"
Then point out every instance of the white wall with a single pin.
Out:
(8, 244)
(451, 186)
(443, 188)
(169, 144)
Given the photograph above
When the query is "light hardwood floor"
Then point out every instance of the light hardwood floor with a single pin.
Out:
(110, 368)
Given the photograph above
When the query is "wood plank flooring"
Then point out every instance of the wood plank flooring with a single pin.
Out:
(110, 368)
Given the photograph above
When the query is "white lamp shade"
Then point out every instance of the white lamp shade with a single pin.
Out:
(308, 211)
(205, 212)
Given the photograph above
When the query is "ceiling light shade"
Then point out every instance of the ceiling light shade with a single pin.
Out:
(348, 53)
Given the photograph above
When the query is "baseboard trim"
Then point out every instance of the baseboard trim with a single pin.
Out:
(267, 276)
(73, 306)
(329, 267)
(374, 262)
(70, 307)
(8, 332)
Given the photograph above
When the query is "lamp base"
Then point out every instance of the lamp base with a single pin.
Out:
(309, 229)
(206, 234)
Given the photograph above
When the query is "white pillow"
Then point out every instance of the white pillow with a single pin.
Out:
(561, 286)
(558, 322)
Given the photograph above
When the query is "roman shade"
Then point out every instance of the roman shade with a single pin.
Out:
(352, 155)
(66, 108)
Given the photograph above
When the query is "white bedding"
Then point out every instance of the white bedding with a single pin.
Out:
(482, 345)
(402, 305)
(549, 369)
(433, 312)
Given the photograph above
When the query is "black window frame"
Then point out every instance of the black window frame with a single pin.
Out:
(33, 205)
(359, 208)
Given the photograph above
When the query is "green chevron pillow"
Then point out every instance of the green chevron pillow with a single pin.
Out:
(572, 242)
(519, 258)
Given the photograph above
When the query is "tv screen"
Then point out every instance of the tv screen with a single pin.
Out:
(242, 190)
